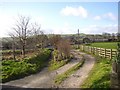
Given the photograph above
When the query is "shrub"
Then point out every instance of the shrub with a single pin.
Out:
(16, 69)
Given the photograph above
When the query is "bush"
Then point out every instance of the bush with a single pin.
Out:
(57, 62)
(16, 69)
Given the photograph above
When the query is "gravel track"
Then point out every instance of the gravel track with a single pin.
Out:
(76, 79)
(45, 78)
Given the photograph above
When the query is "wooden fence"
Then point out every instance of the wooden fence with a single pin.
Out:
(107, 53)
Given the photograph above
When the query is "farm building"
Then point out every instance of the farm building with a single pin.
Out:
(89, 39)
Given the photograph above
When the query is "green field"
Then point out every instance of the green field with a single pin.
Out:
(107, 45)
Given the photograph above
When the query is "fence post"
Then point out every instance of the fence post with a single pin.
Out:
(96, 51)
(105, 53)
(90, 49)
(110, 53)
(100, 52)
(82, 48)
(93, 50)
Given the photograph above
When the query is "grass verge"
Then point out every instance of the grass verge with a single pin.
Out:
(99, 76)
(17, 69)
(53, 65)
(57, 62)
(66, 74)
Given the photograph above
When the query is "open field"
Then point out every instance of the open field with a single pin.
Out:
(107, 45)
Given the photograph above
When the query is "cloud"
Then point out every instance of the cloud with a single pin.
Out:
(110, 16)
(80, 11)
(97, 29)
(97, 18)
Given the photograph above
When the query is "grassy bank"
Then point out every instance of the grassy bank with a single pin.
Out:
(99, 77)
(53, 65)
(57, 62)
(66, 74)
(107, 45)
(16, 69)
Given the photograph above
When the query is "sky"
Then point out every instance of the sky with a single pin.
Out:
(62, 17)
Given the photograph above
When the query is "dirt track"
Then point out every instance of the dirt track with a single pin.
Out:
(44, 79)
(76, 79)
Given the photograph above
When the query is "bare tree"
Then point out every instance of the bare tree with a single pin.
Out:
(22, 31)
(36, 32)
(54, 40)
(62, 45)
(64, 48)
(39, 37)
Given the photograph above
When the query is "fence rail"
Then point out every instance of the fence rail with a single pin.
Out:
(107, 53)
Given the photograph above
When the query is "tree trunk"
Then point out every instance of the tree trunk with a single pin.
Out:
(23, 51)
(14, 58)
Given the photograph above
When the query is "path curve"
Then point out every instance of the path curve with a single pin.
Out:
(76, 79)
(44, 79)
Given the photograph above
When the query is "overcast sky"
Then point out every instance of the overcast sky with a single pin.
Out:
(62, 17)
